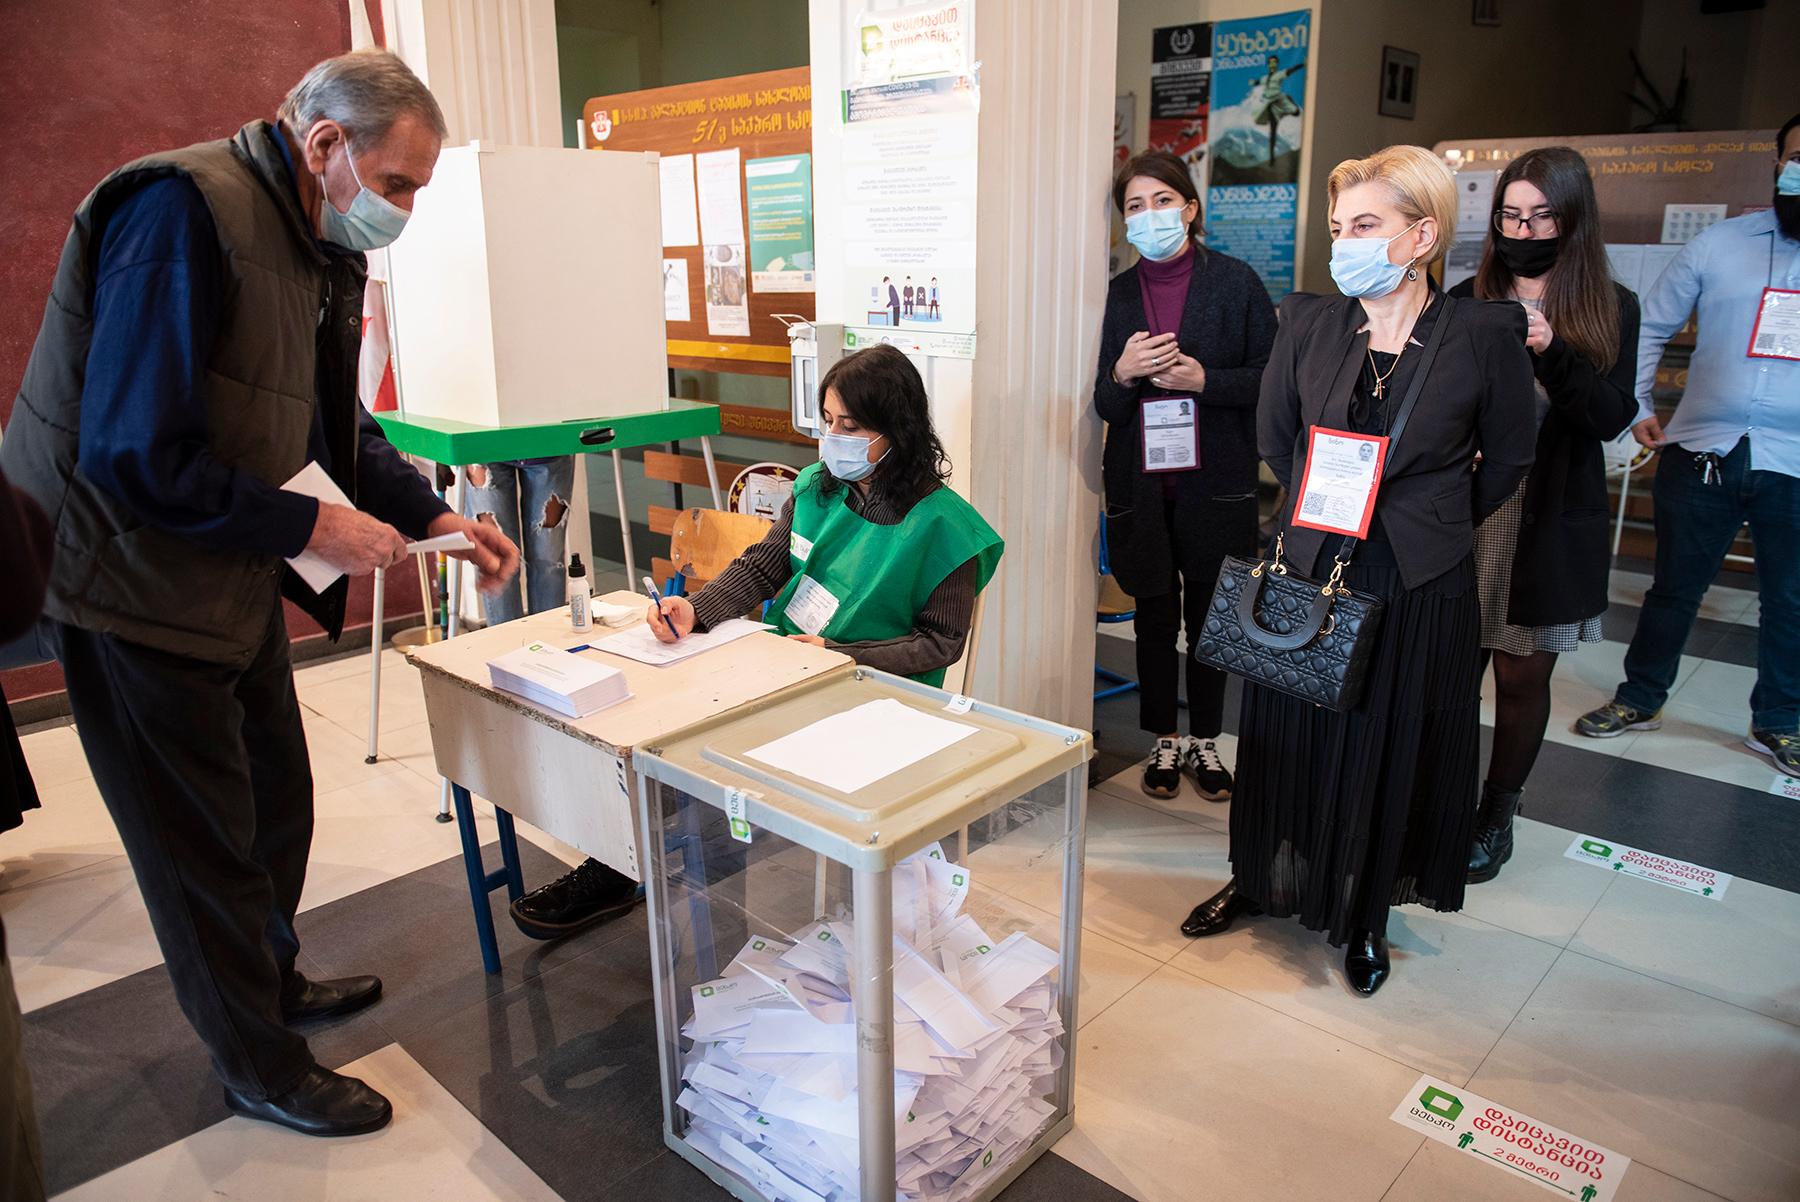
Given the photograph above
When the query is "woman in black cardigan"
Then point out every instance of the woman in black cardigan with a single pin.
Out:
(1186, 334)
(1542, 557)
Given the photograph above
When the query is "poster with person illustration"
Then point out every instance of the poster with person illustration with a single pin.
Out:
(1259, 73)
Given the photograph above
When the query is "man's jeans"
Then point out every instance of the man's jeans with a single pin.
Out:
(1695, 525)
(533, 495)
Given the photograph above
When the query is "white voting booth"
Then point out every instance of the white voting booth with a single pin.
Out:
(874, 996)
(528, 288)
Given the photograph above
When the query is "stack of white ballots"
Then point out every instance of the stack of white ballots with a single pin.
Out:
(771, 1078)
(558, 680)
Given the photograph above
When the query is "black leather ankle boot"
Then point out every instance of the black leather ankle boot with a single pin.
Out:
(1493, 833)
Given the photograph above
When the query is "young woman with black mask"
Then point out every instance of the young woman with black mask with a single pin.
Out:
(1542, 558)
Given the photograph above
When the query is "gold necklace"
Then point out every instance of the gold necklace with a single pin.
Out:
(1381, 378)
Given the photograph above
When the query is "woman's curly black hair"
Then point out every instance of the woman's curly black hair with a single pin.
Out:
(882, 390)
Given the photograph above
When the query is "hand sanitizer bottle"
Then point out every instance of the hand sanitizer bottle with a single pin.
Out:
(580, 618)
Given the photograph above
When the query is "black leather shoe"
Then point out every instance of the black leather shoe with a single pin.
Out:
(1217, 912)
(1493, 833)
(575, 901)
(323, 1103)
(1366, 962)
(328, 999)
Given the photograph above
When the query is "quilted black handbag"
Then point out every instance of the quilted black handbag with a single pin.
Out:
(1278, 629)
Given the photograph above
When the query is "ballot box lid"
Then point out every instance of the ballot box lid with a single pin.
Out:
(864, 767)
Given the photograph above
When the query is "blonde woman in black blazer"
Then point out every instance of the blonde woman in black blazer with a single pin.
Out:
(1339, 816)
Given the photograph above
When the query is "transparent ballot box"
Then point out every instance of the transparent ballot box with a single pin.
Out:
(873, 997)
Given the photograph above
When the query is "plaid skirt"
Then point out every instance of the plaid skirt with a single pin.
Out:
(1496, 543)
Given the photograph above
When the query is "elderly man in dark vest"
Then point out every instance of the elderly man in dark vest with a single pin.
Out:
(198, 350)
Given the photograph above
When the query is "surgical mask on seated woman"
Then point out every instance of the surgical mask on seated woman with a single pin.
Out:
(847, 456)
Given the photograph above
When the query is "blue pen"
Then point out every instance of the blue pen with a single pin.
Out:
(656, 604)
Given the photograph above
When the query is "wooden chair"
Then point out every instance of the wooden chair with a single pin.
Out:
(703, 542)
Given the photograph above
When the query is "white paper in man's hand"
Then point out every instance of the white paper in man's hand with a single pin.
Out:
(456, 540)
(312, 481)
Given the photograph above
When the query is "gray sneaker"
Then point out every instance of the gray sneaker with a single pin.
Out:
(1614, 719)
(1782, 746)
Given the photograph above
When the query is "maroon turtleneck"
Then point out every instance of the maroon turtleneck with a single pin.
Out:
(1165, 289)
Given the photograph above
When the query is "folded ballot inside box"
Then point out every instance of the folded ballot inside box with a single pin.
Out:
(769, 1079)
(558, 680)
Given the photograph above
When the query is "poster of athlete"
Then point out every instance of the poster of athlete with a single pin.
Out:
(1259, 73)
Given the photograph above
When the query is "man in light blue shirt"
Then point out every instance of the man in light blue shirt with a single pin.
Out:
(1730, 455)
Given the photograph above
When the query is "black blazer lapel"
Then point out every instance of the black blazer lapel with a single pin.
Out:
(1331, 407)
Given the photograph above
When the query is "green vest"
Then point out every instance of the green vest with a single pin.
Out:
(876, 579)
(283, 299)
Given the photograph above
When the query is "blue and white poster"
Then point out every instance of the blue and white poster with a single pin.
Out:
(1258, 91)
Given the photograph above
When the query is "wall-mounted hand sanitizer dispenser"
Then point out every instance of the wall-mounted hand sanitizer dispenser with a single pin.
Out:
(813, 350)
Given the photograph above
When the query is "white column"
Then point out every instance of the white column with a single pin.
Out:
(1047, 84)
(1018, 421)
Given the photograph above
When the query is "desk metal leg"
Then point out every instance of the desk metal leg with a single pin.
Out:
(375, 667)
(872, 993)
(481, 881)
(453, 626)
(618, 463)
(712, 471)
(693, 868)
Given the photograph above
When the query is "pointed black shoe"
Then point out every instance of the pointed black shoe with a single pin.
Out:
(1217, 912)
(1366, 962)
(1493, 833)
(328, 999)
(323, 1103)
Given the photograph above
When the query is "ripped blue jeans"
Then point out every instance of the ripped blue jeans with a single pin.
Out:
(528, 496)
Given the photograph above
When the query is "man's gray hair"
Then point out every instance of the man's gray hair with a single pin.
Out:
(366, 92)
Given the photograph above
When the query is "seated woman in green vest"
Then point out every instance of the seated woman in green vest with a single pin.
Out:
(874, 556)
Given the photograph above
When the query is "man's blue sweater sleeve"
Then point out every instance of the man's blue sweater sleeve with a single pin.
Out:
(388, 486)
(158, 298)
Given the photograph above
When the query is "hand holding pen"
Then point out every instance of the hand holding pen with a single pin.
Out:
(669, 617)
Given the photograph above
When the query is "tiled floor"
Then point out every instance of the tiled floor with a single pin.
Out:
(1662, 1025)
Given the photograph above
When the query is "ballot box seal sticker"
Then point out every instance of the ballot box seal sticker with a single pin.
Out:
(734, 813)
(1511, 1142)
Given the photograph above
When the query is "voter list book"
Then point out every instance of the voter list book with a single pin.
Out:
(558, 680)
(769, 1083)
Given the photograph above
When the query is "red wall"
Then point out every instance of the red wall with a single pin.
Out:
(86, 85)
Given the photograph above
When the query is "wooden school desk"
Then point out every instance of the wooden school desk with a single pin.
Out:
(572, 777)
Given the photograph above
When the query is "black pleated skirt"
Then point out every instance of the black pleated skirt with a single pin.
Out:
(1337, 817)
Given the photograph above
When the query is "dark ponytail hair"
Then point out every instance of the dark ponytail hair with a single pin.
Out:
(882, 390)
(1170, 171)
(1581, 302)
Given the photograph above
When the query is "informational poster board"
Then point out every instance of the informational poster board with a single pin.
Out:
(1259, 72)
(1180, 90)
(910, 123)
(737, 204)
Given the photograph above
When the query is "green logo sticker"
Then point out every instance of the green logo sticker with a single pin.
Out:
(957, 879)
(1444, 1105)
(706, 991)
(758, 944)
(981, 949)
(988, 1159)
(1594, 848)
(824, 936)
(740, 829)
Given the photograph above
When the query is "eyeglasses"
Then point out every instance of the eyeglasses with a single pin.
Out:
(1542, 222)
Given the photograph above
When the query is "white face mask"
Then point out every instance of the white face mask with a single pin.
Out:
(847, 457)
(1360, 266)
(372, 222)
